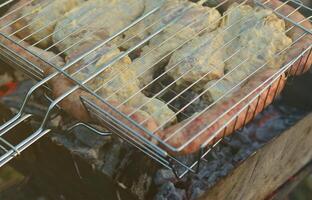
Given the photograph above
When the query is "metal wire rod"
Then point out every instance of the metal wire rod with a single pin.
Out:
(18, 119)
(34, 73)
(16, 9)
(10, 145)
(51, 23)
(6, 3)
(302, 5)
(22, 146)
(3, 148)
(285, 18)
(23, 16)
(95, 130)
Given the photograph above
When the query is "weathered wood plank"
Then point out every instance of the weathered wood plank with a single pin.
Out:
(283, 192)
(270, 167)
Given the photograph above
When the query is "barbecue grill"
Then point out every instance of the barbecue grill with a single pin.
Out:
(120, 123)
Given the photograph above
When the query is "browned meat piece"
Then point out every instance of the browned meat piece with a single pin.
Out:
(112, 16)
(201, 59)
(190, 19)
(262, 35)
(296, 32)
(157, 109)
(39, 19)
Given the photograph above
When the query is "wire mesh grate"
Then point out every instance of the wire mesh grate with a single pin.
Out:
(138, 78)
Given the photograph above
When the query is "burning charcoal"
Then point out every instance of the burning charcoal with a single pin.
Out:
(263, 135)
(273, 123)
(169, 192)
(164, 175)
(226, 168)
(233, 142)
(212, 178)
(221, 153)
(226, 152)
(112, 152)
(256, 145)
(243, 136)
(279, 125)
(242, 154)
(76, 147)
(86, 153)
(197, 188)
(196, 193)
(208, 169)
(217, 154)
(291, 114)
(288, 109)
